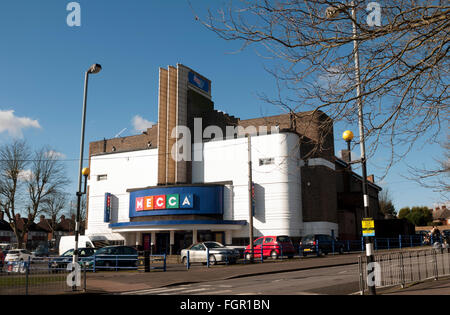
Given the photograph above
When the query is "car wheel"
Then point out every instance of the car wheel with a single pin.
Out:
(290, 256)
(274, 254)
(341, 250)
(248, 256)
(319, 252)
(184, 260)
(212, 260)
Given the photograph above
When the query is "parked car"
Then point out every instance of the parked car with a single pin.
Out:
(217, 253)
(272, 246)
(41, 251)
(114, 256)
(18, 255)
(321, 244)
(61, 262)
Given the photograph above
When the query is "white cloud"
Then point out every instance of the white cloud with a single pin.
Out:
(140, 124)
(25, 175)
(57, 155)
(14, 125)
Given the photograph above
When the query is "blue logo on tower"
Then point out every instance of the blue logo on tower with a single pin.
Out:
(199, 82)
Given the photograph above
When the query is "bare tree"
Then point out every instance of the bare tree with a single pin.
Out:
(435, 178)
(386, 204)
(14, 159)
(404, 64)
(83, 211)
(46, 180)
(53, 206)
(35, 177)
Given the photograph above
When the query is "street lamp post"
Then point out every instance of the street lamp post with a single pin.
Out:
(332, 12)
(95, 68)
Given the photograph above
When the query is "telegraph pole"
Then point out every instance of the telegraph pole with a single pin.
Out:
(250, 208)
(369, 245)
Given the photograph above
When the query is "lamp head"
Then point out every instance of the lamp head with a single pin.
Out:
(95, 68)
(347, 135)
(85, 171)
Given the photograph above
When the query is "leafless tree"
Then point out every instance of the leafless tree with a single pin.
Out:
(437, 178)
(14, 159)
(404, 64)
(34, 176)
(46, 179)
(54, 206)
(386, 204)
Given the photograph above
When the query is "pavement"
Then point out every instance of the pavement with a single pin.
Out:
(127, 281)
(176, 274)
(429, 287)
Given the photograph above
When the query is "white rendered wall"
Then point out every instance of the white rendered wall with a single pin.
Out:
(124, 171)
(278, 194)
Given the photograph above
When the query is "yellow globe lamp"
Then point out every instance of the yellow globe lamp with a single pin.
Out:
(85, 171)
(348, 135)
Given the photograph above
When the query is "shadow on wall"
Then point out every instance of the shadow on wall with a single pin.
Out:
(114, 209)
(260, 203)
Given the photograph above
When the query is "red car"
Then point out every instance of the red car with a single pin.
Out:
(272, 246)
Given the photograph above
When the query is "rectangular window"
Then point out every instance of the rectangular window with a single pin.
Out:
(102, 177)
(266, 161)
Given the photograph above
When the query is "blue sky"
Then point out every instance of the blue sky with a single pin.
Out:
(43, 60)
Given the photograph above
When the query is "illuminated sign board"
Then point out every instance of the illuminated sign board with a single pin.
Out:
(175, 200)
(161, 202)
(107, 212)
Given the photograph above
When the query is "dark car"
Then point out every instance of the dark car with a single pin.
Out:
(120, 257)
(321, 244)
(60, 263)
(41, 251)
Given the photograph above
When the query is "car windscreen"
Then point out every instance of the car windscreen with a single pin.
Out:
(213, 245)
(68, 253)
(14, 252)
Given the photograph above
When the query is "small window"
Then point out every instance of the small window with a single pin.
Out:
(268, 240)
(266, 161)
(258, 241)
(102, 177)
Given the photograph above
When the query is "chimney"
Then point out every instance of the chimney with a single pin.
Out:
(63, 218)
(17, 216)
(371, 178)
(73, 217)
(42, 218)
(346, 155)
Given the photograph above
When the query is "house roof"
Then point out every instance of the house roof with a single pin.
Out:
(441, 214)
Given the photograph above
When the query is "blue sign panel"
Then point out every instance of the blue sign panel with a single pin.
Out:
(198, 81)
(207, 199)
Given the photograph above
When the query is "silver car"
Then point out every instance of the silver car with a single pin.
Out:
(217, 253)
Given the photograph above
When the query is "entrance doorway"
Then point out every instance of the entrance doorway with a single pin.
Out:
(162, 243)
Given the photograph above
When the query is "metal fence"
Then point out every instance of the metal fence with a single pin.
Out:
(401, 268)
(40, 276)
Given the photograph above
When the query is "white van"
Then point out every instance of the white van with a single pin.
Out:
(91, 241)
(68, 242)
